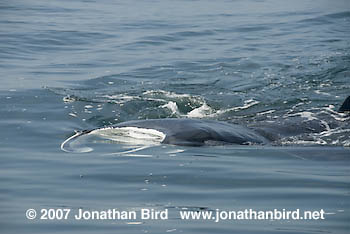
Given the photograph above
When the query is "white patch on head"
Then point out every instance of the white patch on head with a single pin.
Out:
(80, 142)
(131, 135)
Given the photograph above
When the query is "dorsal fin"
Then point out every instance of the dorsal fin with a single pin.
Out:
(346, 105)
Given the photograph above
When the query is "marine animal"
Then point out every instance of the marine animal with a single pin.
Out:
(189, 132)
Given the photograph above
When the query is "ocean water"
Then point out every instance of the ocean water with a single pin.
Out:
(281, 66)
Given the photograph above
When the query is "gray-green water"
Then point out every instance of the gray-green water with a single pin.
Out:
(74, 65)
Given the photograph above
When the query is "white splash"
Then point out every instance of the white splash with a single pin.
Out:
(200, 112)
(120, 98)
(247, 104)
(172, 106)
(88, 106)
(266, 112)
(305, 114)
(69, 99)
(166, 93)
(73, 115)
(321, 93)
(296, 141)
(204, 110)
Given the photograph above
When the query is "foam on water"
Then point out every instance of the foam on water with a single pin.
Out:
(199, 106)
(334, 129)
(172, 106)
(200, 112)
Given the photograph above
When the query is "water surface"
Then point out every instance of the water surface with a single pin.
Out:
(67, 66)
